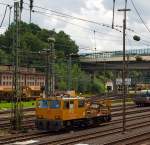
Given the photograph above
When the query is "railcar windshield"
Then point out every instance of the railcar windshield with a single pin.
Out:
(49, 104)
(54, 104)
(43, 104)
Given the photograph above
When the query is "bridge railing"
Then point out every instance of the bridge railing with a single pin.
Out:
(109, 55)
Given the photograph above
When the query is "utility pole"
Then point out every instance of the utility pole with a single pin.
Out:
(16, 114)
(113, 14)
(10, 8)
(124, 66)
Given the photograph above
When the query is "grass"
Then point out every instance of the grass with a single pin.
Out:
(29, 104)
(6, 105)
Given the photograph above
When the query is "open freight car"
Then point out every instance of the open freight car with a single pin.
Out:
(56, 113)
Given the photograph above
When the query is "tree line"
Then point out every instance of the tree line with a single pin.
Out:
(34, 39)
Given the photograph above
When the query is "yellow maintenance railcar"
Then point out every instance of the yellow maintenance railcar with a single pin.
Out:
(56, 113)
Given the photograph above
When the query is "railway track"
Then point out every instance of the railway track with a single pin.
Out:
(137, 138)
(9, 111)
(114, 127)
(29, 119)
(29, 112)
(115, 113)
(71, 140)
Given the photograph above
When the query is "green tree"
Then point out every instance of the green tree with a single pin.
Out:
(65, 45)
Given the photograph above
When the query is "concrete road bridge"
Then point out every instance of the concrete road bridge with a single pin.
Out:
(137, 59)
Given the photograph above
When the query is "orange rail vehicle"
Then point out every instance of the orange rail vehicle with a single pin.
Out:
(56, 113)
(27, 93)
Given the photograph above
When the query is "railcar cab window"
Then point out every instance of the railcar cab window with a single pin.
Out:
(54, 104)
(81, 103)
(43, 104)
(68, 104)
(71, 105)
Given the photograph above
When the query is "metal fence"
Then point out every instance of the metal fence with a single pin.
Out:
(110, 54)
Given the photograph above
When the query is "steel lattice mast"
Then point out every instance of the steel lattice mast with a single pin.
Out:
(16, 115)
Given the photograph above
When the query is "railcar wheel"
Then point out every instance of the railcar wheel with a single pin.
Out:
(109, 118)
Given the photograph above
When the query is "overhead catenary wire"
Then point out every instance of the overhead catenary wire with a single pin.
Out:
(66, 15)
(48, 15)
(5, 4)
(45, 14)
(57, 17)
(4, 16)
(60, 14)
(88, 28)
(139, 15)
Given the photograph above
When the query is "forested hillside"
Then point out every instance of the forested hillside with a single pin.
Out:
(35, 39)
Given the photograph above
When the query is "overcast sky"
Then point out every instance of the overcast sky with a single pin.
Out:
(82, 32)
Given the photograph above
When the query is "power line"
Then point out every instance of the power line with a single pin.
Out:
(60, 14)
(77, 24)
(87, 28)
(3, 4)
(4, 16)
(140, 16)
